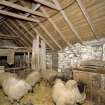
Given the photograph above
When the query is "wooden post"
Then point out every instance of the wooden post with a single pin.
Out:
(24, 59)
(35, 54)
(43, 55)
(55, 60)
(28, 60)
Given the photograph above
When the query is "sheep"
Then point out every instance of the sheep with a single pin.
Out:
(67, 94)
(15, 89)
(72, 86)
(61, 95)
(33, 78)
(49, 76)
(6, 75)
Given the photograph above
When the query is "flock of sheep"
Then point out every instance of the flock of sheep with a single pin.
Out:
(63, 93)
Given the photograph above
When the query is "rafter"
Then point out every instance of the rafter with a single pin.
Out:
(22, 33)
(57, 29)
(41, 36)
(50, 36)
(85, 13)
(48, 33)
(5, 36)
(13, 38)
(13, 31)
(21, 8)
(67, 20)
(54, 25)
(17, 41)
(14, 15)
(25, 28)
(47, 3)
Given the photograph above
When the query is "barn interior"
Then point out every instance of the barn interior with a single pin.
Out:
(65, 37)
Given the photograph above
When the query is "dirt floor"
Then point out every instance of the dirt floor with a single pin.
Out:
(41, 96)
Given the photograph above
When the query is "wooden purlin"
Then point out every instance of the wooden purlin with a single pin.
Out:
(67, 20)
(17, 16)
(85, 13)
(25, 28)
(50, 36)
(21, 8)
(57, 28)
(14, 24)
(47, 3)
(17, 41)
(41, 36)
(54, 25)
(13, 31)
(18, 33)
(5, 36)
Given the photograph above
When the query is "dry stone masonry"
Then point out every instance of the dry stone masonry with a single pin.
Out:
(67, 58)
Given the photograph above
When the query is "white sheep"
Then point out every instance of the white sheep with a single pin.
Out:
(61, 95)
(15, 89)
(67, 94)
(71, 85)
(33, 78)
(5, 76)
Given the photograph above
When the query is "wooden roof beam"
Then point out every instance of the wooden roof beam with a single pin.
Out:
(25, 28)
(85, 13)
(54, 25)
(67, 20)
(21, 8)
(18, 43)
(50, 36)
(13, 31)
(4, 36)
(47, 3)
(22, 33)
(57, 29)
(17, 40)
(41, 36)
(17, 16)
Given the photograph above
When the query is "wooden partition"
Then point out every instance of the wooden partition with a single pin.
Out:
(95, 85)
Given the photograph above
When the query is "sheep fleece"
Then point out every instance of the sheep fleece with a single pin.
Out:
(15, 88)
(33, 78)
(67, 94)
(61, 96)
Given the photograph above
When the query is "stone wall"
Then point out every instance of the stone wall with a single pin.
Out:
(71, 57)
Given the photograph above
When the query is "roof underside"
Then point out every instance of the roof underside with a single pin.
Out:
(62, 22)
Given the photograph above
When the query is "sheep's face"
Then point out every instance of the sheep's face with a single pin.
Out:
(81, 86)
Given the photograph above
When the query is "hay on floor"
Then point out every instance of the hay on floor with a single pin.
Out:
(41, 96)
(3, 99)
